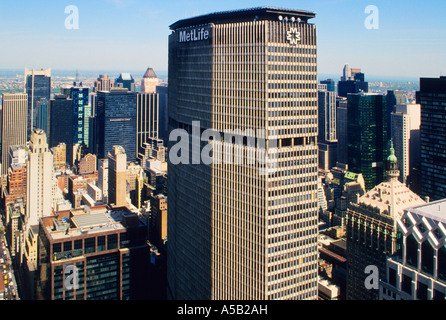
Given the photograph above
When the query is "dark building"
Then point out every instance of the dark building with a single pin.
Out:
(61, 123)
(432, 98)
(367, 136)
(232, 70)
(125, 80)
(37, 86)
(352, 86)
(330, 84)
(101, 254)
(163, 132)
(79, 95)
(115, 122)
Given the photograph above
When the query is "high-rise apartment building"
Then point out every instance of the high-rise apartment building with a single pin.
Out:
(432, 98)
(37, 86)
(13, 124)
(39, 178)
(115, 123)
(367, 136)
(405, 128)
(237, 231)
(117, 182)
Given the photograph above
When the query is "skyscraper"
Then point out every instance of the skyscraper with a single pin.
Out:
(371, 226)
(342, 129)
(147, 120)
(125, 80)
(327, 137)
(117, 185)
(61, 124)
(367, 136)
(43, 115)
(405, 125)
(237, 231)
(40, 177)
(14, 119)
(37, 86)
(103, 83)
(163, 131)
(432, 98)
(330, 84)
(352, 81)
(149, 81)
(115, 123)
(79, 96)
(393, 98)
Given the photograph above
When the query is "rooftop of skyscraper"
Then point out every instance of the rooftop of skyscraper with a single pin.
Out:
(249, 14)
(435, 210)
(88, 220)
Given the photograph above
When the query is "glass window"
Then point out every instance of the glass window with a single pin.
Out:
(90, 245)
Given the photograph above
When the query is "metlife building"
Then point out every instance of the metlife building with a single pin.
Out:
(236, 231)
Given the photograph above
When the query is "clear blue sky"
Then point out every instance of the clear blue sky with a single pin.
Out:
(127, 35)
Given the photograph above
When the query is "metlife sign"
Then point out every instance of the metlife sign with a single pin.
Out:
(193, 35)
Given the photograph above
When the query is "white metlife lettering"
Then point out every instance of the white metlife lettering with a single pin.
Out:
(194, 35)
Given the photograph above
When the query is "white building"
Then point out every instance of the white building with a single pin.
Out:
(406, 122)
(39, 178)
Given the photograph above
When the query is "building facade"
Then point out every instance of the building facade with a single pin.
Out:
(244, 231)
(405, 134)
(95, 255)
(13, 125)
(367, 136)
(432, 98)
(115, 122)
(39, 178)
(417, 271)
(37, 86)
(371, 225)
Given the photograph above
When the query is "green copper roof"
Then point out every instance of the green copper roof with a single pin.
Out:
(392, 157)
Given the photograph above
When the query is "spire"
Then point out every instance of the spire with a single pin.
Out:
(392, 164)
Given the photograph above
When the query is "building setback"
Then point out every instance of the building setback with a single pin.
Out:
(239, 231)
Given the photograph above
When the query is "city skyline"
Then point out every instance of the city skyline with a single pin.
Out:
(135, 33)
